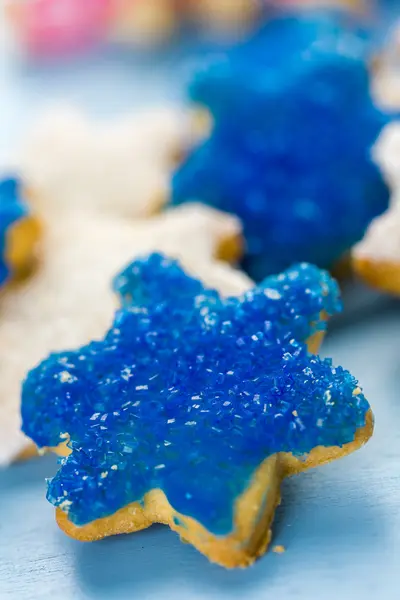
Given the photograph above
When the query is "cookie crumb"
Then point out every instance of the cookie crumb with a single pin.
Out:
(279, 549)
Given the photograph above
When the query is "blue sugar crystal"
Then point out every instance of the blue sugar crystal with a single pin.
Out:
(189, 392)
(12, 209)
(290, 152)
(155, 279)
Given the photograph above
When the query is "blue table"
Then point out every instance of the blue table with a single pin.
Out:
(340, 525)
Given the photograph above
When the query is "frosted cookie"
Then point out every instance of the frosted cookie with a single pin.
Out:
(290, 151)
(69, 301)
(193, 408)
(120, 166)
(376, 259)
(19, 232)
(387, 154)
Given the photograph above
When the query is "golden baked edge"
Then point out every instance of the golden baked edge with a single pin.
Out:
(254, 509)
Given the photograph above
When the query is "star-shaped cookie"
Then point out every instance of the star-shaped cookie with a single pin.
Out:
(290, 151)
(192, 408)
(68, 300)
(19, 232)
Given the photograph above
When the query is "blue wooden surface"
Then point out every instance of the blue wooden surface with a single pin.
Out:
(340, 524)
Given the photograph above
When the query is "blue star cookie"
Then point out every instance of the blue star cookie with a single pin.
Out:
(18, 230)
(290, 150)
(193, 408)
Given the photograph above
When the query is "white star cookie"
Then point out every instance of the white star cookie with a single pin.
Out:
(120, 166)
(69, 300)
(376, 259)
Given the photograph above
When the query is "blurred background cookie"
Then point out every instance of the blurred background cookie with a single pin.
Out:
(294, 124)
(19, 232)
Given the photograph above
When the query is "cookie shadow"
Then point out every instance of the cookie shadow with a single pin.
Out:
(150, 561)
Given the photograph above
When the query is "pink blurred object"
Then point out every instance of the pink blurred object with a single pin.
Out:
(61, 27)
(57, 27)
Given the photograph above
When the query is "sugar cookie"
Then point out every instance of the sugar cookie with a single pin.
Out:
(193, 408)
(294, 125)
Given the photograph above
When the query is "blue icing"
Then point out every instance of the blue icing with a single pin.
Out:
(290, 152)
(189, 392)
(12, 209)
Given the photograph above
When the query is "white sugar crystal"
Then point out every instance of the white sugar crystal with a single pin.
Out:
(272, 294)
(66, 377)
(65, 505)
(126, 374)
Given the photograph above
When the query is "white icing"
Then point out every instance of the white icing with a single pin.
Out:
(122, 166)
(387, 154)
(382, 240)
(69, 301)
